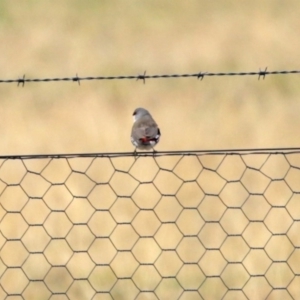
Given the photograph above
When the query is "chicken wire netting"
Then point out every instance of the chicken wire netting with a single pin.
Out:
(172, 226)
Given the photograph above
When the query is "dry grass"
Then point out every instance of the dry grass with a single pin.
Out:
(62, 39)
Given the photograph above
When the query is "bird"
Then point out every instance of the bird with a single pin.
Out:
(145, 133)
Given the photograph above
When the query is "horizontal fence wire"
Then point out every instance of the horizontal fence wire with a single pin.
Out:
(286, 150)
(219, 224)
(201, 75)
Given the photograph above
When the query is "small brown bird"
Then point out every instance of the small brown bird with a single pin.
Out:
(145, 133)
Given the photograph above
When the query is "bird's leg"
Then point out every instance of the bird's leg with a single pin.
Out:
(154, 151)
(135, 154)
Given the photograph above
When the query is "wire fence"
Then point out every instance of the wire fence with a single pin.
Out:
(200, 75)
(171, 225)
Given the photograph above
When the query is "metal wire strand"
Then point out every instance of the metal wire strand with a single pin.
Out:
(261, 74)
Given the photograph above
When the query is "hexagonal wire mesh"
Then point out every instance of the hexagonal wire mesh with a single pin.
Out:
(183, 226)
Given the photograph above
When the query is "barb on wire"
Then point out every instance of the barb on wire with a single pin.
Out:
(199, 75)
(22, 80)
(77, 79)
(142, 77)
(262, 73)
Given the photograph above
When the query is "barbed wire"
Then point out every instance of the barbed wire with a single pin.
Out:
(261, 74)
(274, 151)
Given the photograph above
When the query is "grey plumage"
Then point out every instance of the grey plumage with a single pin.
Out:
(145, 133)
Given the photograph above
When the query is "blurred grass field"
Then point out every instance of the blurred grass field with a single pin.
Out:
(103, 38)
(116, 38)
